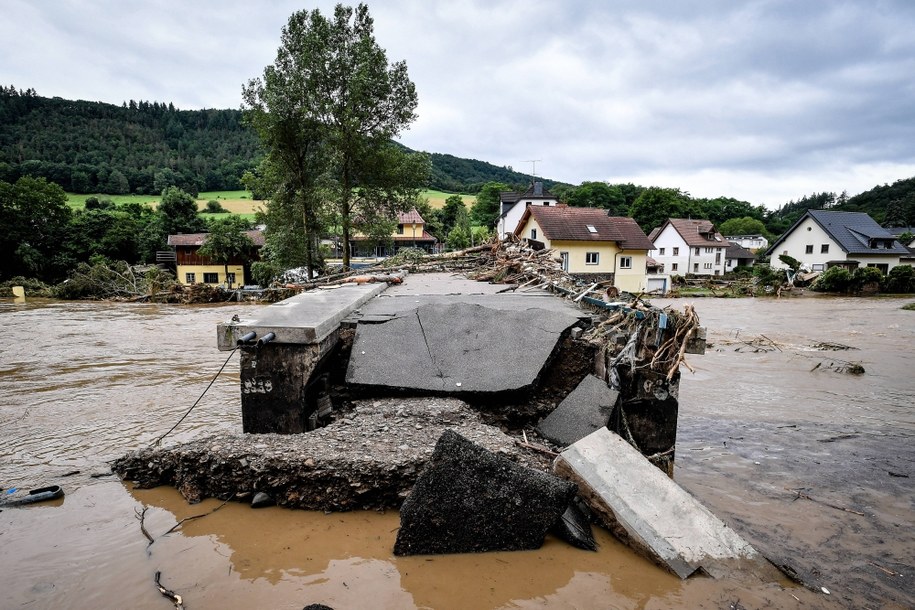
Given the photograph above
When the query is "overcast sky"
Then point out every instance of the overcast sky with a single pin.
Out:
(764, 101)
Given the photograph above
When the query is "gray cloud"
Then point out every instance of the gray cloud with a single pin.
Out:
(764, 100)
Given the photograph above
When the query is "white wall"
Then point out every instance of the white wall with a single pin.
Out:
(687, 260)
(808, 233)
(510, 221)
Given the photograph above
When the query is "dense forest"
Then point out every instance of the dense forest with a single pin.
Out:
(144, 147)
(139, 147)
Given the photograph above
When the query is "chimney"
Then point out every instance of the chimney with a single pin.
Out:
(538, 189)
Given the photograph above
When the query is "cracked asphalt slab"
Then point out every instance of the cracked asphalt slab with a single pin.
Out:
(457, 348)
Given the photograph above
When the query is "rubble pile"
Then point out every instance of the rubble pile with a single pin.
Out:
(368, 459)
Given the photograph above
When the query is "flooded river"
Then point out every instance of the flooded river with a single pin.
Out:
(812, 465)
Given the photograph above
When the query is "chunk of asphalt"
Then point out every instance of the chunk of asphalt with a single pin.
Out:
(457, 347)
(587, 408)
(469, 500)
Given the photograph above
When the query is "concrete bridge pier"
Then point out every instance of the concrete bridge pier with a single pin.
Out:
(277, 376)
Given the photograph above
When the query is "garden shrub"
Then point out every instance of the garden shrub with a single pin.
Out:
(901, 279)
(834, 279)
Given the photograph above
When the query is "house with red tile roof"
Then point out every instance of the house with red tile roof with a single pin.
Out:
(192, 268)
(592, 244)
(684, 245)
(409, 233)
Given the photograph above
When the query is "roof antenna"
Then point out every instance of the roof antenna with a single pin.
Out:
(533, 168)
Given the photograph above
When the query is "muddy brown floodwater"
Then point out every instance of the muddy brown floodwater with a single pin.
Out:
(813, 466)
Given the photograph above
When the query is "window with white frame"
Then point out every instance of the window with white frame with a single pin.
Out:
(210, 278)
(625, 262)
(533, 233)
(592, 258)
(698, 250)
(676, 251)
(661, 251)
(190, 278)
(673, 266)
(824, 249)
(230, 277)
(707, 266)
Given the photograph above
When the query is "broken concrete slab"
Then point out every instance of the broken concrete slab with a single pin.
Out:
(469, 500)
(648, 511)
(456, 348)
(586, 409)
(304, 319)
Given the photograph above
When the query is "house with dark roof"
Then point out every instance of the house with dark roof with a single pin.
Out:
(512, 205)
(900, 231)
(592, 244)
(828, 238)
(192, 268)
(409, 233)
(685, 245)
(737, 256)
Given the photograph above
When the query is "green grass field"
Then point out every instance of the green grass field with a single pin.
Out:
(237, 202)
(437, 199)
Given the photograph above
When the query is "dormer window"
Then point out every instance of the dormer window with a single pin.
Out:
(592, 229)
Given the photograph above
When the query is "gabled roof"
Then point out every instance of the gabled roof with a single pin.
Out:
(738, 252)
(634, 237)
(411, 217)
(563, 223)
(198, 239)
(855, 232)
(696, 233)
(508, 199)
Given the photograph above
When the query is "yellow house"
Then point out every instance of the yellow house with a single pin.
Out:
(591, 244)
(191, 268)
(409, 233)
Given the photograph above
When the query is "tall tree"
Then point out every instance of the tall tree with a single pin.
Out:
(34, 217)
(341, 103)
(485, 211)
(226, 241)
(454, 205)
(657, 204)
(598, 195)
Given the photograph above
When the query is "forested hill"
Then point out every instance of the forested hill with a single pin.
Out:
(454, 174)
(891, 205)
(143, 147)
(139, 147)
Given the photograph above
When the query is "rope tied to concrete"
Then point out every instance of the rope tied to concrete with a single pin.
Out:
(199, 398)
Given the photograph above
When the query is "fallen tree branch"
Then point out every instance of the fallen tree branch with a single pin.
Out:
(191, 518)
(801, 494)
(141, 515)
(176, 599)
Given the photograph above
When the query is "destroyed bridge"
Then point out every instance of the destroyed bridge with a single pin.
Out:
(486, 394)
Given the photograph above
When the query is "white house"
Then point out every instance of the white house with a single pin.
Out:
(750, 242)
(828, 238)
(737, 256)
(684, 246)
(512, 205)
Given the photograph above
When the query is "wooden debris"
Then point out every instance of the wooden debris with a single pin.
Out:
(176, 599)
